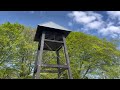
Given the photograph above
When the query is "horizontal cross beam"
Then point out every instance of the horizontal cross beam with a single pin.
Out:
(53, 41)
(54, 66)
(52, 71)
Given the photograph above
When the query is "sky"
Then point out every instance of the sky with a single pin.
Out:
(103, 24)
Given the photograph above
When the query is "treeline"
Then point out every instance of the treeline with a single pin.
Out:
(90, 57)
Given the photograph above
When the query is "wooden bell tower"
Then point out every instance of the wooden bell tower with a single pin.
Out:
(51, 37)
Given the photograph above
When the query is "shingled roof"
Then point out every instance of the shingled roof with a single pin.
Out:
(50, 27)
(53, 25)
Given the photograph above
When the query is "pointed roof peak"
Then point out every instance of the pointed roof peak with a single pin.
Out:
(51, 24)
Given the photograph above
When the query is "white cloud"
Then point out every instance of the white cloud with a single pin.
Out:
(109, 23)
(114, 14)
(93, 20)
(112, 31)
(98, 16)
(104, 32)
(89, 19)
(94, 25)
(81, 17)
(114, 36)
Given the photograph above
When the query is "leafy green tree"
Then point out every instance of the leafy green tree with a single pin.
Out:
(90, 57)
(17, 49)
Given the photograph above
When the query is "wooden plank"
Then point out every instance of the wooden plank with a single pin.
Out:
(49, 71)
(59, 48)
(53, 45)
(67, 58)
(58, 62)
(54, 41)
(52, 71)
(40, 56)
(35, 68)
(62, 70)
(54, 66)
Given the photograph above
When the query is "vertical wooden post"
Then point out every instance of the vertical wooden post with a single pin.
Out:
(67, 58)
(35, 69)
(40, 56)
(58, 62)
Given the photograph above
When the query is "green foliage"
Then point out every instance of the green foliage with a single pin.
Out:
(17, 50)
(90, 57)
(88, 54)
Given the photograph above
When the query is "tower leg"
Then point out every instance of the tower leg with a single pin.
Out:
(39, 57)
(67, 58)
(58, 63)
(35, 68)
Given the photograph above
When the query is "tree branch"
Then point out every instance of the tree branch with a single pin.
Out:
(86, 72)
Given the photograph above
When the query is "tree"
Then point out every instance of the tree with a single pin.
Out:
(90, 57)
(17, 48)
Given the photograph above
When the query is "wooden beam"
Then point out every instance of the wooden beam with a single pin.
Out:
(49, 71)
(67, 58)
(40, 56)
(52, 71)
(35, 68)
(54, 66)
(58, 63)
(59, 48)
(53, 41)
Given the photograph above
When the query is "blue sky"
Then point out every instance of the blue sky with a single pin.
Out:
(99, 23)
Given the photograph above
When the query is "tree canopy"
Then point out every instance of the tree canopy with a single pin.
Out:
(90, 57)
